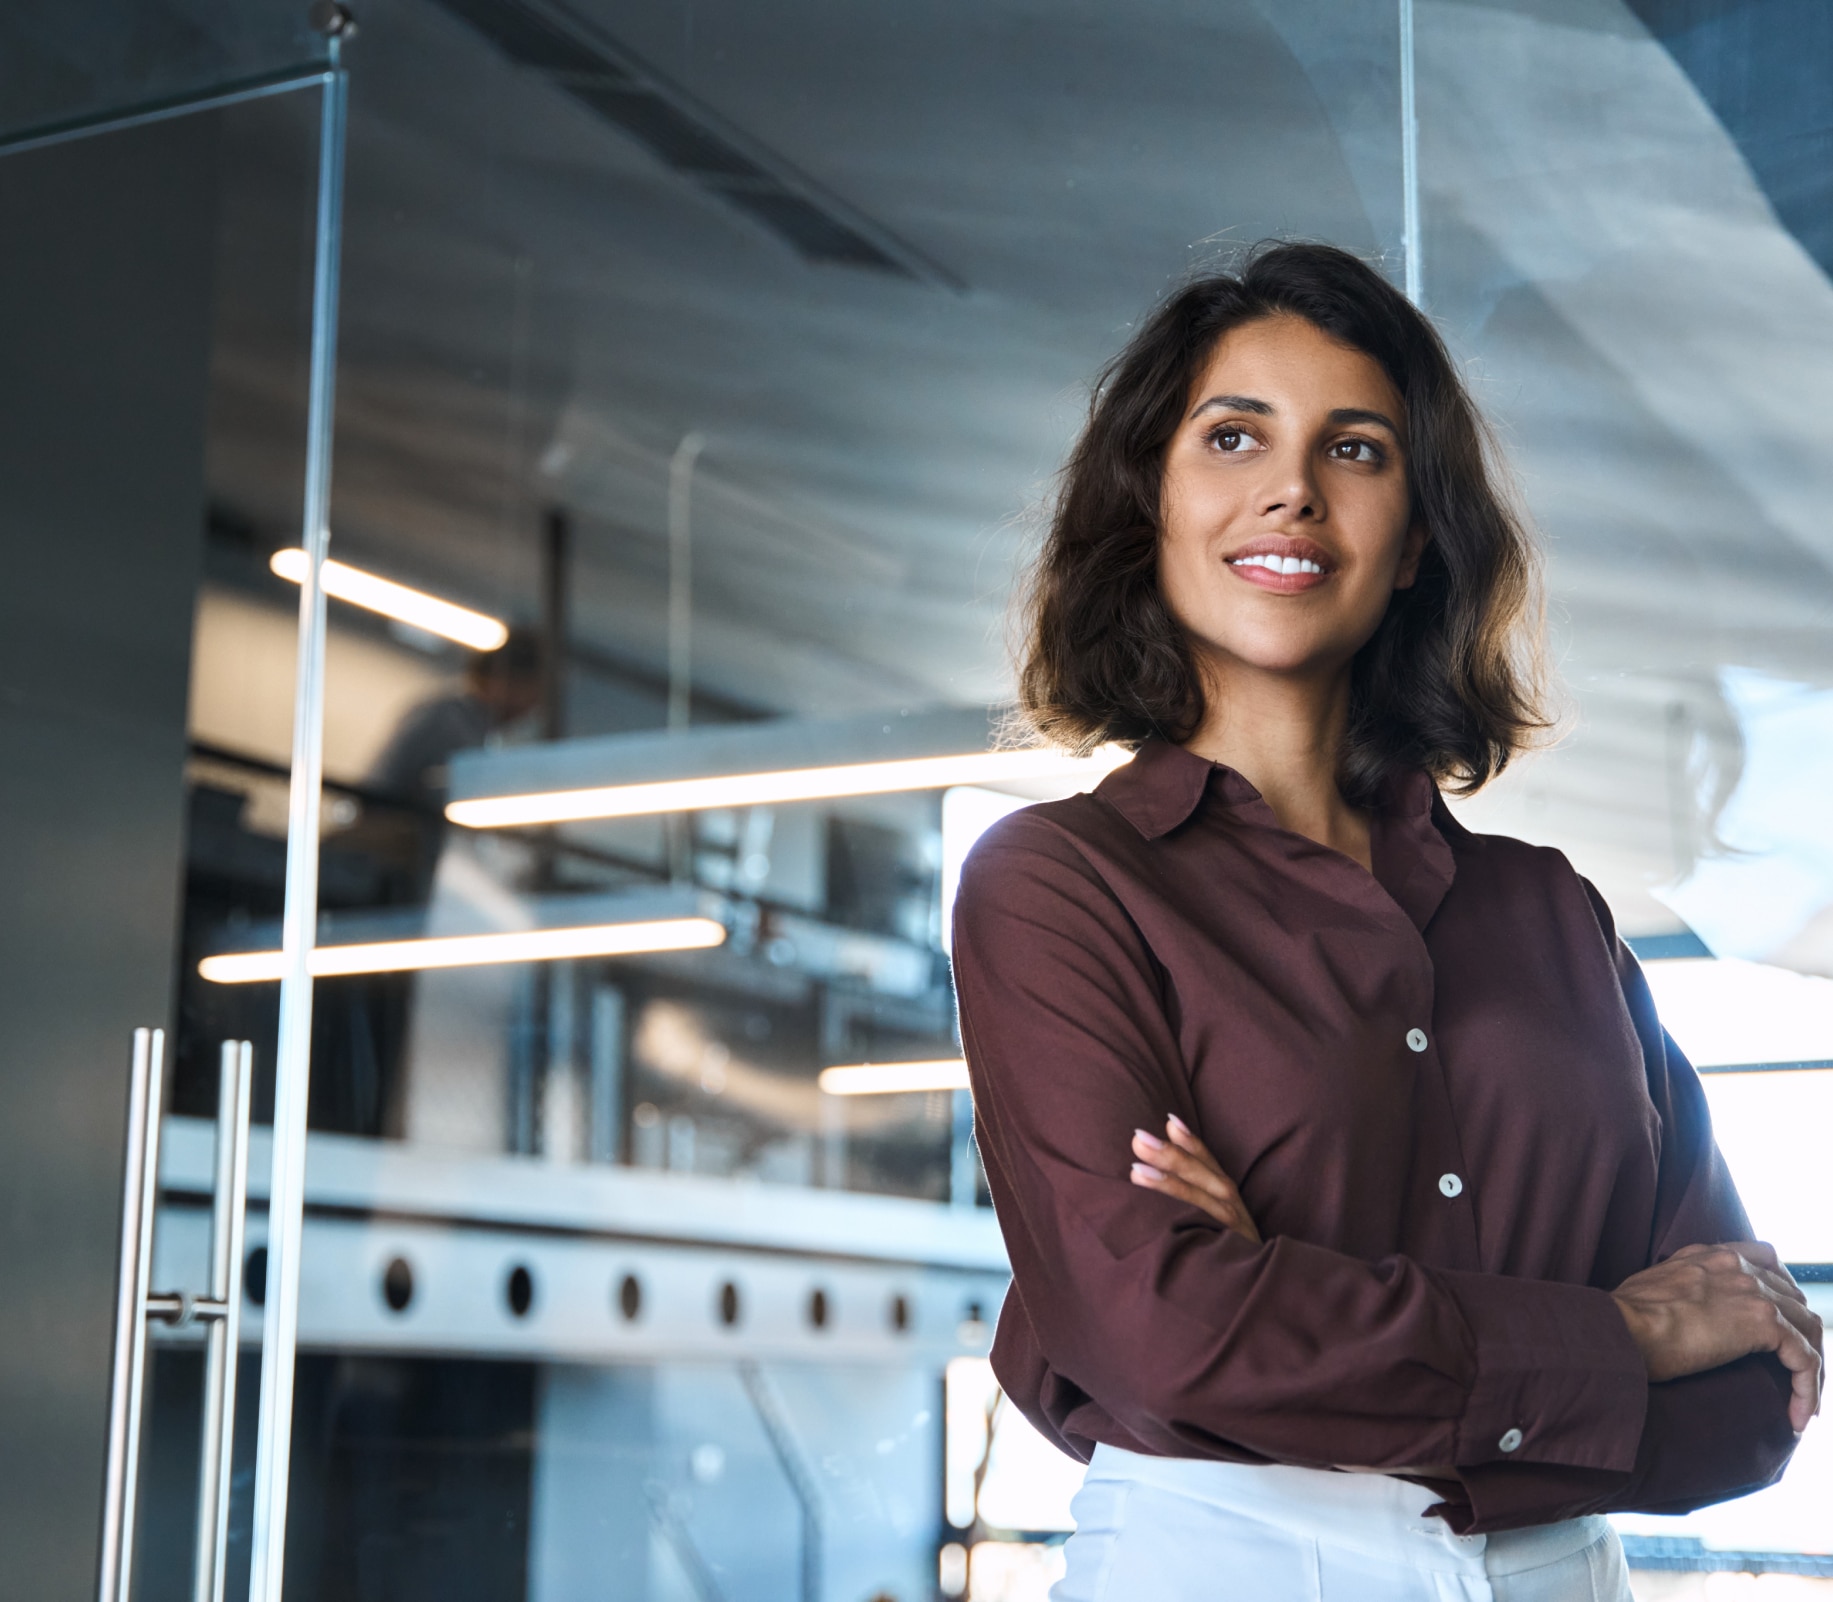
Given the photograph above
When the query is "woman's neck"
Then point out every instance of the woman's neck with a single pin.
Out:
(1283, 733)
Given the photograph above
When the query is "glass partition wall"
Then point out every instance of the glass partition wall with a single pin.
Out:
(1622, 238)
(701, 372)
(132, 270)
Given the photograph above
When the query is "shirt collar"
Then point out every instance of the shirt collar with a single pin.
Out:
(1159, 788)
(1162, 787)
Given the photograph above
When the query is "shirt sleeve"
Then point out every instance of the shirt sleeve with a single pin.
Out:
(1726, 1432)
(1138, 1320)
(1707, 1437)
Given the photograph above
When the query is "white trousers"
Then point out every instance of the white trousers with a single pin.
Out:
(1180, 1530)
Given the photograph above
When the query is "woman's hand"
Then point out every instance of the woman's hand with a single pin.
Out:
(1181, 1166)
(1709, 1305)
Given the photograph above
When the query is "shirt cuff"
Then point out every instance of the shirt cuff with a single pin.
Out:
(1559, 1379)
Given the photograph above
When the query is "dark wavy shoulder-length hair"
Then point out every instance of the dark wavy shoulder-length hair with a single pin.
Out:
(1450, 680)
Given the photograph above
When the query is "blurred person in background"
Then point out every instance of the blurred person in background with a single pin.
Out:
(500, 688)
(367, 1023)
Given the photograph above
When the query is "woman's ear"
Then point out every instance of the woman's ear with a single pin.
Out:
(1410, 553)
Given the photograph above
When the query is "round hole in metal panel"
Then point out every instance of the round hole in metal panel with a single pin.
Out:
(900, 1312)
(519, 1291)
(630, 1297)
(254, 1276)
(728, 1303)
(972, 1329)
(817, 1308)
(398, 1284)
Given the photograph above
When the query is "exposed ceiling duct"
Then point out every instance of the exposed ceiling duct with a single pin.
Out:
(578, 57)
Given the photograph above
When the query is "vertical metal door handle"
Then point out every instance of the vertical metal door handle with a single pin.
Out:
(222, 1337)
(127, 1374)
(219, 1309)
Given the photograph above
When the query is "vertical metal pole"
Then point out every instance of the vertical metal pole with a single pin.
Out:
(681, 579)
(680, 826)
(223, 1335)
(556, 631)
(136, 1396)
(286, 1188)
(127, 1383)
(605, 1120)
(1409, 157)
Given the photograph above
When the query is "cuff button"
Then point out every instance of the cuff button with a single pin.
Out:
(1510, 1440)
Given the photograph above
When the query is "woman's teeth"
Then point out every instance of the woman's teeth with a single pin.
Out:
(1279, 564)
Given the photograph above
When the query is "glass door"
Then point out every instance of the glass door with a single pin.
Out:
(1647, 327)
(699, 370)
(134, 278)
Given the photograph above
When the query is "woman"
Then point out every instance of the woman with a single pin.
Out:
(1464, 1228)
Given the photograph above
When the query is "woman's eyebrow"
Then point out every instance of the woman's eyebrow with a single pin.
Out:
(1233, 403)
(1259, 408)
(1356, 414)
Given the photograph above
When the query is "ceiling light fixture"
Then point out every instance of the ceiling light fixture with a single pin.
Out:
(781, 785)
(468, 951)
(412, 607)
(894, 1078)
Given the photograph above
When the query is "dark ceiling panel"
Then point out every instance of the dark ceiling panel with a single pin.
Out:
(579, 59)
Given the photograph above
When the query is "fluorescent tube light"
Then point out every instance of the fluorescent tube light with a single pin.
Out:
(784, 784)
(412, 607)
(894, 1078)
(467, 951)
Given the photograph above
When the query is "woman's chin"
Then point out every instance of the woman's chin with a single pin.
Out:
(1302, 656)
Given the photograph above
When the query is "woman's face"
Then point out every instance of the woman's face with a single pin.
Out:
(1287, 524)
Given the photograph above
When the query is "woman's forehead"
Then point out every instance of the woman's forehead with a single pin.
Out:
(1285, 362)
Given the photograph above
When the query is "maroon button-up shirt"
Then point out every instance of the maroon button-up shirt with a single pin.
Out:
(1448, 1103)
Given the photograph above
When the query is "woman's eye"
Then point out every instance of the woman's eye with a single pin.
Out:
(1234, 440)
(1355, 450)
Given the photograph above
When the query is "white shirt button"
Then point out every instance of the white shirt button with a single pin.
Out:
(1416, 1039)
(1451, 1185)
(1510, 1440)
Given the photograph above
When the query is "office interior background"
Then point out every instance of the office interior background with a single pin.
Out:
(679, 382)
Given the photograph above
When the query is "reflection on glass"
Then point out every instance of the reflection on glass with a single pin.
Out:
(1765, 889)
(86, 61)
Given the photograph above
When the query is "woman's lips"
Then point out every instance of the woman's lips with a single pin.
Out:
(1286, 575)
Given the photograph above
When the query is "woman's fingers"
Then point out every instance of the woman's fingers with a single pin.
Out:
(1233, 1218)
(1808, 1372)
(1180, 1135)
(1201, 1171)
(1193, 1176)
(1709, 1304)
(1798, 1350)
(1758, 1258)
(1762, 1256)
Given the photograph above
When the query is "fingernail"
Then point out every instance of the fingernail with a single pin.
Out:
(1150, 1142)
(1146, 1171)
(1177, 1123)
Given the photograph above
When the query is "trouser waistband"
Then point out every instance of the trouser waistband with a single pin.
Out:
(1376, 1515)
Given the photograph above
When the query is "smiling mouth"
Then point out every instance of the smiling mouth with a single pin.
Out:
(1279, 564)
